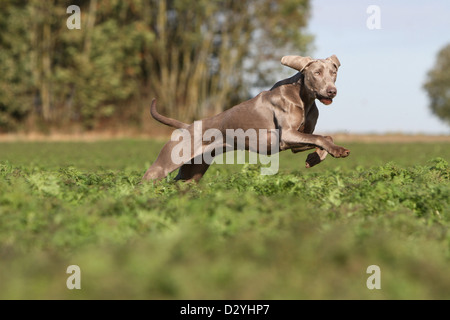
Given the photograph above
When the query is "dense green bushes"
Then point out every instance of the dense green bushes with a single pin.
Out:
(296, 235)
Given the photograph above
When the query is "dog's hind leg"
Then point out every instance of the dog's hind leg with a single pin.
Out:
(192, 171)
(195, 170)
(164, 164)
(169, 159)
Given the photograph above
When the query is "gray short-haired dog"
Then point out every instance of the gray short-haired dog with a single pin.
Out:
(288, 107)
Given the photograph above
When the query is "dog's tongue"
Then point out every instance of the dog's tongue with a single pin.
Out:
(326, 101)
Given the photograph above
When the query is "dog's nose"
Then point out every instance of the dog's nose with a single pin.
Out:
(331, 91)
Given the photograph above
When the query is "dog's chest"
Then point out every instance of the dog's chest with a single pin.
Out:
(305, 118)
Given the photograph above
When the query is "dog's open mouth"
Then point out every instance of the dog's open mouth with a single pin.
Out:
(325, 101)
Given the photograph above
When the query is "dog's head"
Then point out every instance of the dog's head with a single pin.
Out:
(319, 75)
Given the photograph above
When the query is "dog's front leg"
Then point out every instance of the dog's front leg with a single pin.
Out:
(313, 158)
(292, 139)
(318, 156)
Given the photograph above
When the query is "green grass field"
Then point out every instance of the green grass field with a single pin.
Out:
(300, 234)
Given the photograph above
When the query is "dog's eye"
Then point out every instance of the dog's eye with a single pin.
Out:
(334, 72)
(317, 73)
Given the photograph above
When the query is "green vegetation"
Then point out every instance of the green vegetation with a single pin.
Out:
(438, 85)
(196, 57)
(300, 234)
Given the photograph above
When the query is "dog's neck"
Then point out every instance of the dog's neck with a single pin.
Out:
(306, 94)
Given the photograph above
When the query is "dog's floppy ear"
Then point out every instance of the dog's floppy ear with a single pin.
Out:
(297, 62)
(335, 61)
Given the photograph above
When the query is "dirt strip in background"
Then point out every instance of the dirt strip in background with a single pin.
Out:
(386, 138)
(101, 136)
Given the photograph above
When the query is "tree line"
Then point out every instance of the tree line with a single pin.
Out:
(196, 57)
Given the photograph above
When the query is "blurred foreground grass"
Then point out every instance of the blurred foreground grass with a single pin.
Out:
(300, 234)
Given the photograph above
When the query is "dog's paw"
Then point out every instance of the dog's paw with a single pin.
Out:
(312, 160)
(339, 152)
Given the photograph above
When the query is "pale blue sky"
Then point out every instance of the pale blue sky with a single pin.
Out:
(380, 80)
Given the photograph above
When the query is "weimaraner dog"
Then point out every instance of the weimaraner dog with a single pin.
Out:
(288, 107)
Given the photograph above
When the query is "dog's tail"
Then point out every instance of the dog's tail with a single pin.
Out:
(166, 120)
